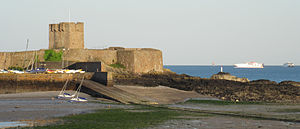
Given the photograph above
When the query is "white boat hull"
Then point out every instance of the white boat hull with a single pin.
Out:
(249, 65)
(65, 96)
(289, 64)
(78, 100)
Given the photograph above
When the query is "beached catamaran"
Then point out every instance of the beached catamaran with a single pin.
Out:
(76, 97)
(63, 94)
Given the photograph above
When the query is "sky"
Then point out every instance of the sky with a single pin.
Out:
(188, 32)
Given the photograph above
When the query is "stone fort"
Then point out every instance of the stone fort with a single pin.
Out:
(68, 35)
(69, 38)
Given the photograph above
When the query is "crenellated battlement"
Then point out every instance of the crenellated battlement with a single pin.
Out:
(66, 27)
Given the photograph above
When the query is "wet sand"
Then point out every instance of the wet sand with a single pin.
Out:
(272, 116)
(37, 106)
(42, 108)
(225, 122)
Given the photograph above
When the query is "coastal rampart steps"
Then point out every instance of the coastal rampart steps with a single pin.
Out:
(115, 93)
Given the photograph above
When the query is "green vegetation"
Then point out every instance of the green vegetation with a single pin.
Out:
(219, 102)
(105, 102)
(15, 68)
(288, 110)
(117, 65)
(117, 118)
(51, 55)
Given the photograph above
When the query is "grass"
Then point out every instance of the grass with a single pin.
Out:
(51, 55)
(219, 102)
(288, 110)
(117, 65)
(15, 68)
(117, 118)
(105, 102)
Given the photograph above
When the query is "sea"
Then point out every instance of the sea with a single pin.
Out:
(273, 73)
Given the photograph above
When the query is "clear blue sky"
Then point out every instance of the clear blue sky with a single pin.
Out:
(195, 32)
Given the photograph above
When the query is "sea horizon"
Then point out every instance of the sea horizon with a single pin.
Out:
(220, 65)
(276, 73)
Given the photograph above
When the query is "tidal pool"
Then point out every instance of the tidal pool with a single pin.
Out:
(12, 124)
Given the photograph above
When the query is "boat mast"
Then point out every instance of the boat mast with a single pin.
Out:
(78, 89)
(4, 64)
(64, 88)
(32, 63)
(35, 59)
(25, 58)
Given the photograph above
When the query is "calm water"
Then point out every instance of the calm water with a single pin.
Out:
(274, 73)
(12, 124)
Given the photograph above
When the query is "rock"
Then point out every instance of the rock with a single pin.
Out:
(263, 82)
(258, 90)
(293, 83)
(227, 76)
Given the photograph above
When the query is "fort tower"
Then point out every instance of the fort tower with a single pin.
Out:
(68, 35)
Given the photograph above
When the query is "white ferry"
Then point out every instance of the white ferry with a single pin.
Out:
(249, 65)
(289, 64)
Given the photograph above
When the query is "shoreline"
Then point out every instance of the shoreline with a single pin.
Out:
(172, 90)
(230, 90)
(36, 109)
(43, 108)
(272, 73)
(44, 105)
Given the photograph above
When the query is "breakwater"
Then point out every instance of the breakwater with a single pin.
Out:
(18, 83)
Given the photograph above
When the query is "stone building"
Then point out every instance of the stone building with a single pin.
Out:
(67, 35)
(69, 38)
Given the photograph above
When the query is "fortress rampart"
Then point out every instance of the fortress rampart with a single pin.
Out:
(21, 59)
(140, 60)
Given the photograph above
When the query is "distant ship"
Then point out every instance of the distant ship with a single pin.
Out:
(288, 64)
(249, 65)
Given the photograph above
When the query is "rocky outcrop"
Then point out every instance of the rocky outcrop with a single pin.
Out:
(262, 90)
(263, 82)
(293, 83)
(227, 76)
